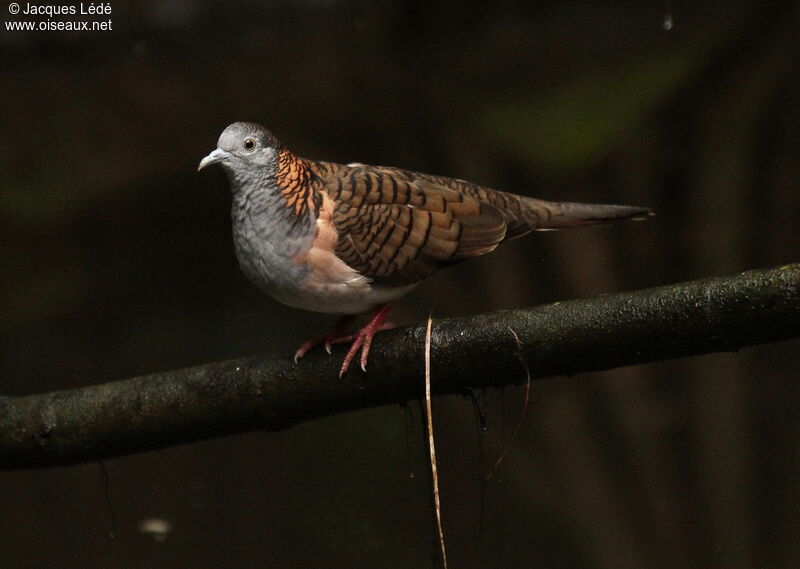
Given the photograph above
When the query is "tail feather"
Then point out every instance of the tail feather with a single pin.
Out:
(558, 215)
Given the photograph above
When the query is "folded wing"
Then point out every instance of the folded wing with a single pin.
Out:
(397, 227)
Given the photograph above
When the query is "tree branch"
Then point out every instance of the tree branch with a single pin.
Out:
(270, 392)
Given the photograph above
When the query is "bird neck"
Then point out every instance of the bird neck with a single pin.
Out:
(283, 203)
(296, 183)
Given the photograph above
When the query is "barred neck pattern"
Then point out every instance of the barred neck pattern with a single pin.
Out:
(296, 182)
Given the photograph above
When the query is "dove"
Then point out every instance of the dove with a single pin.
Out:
(352, 239)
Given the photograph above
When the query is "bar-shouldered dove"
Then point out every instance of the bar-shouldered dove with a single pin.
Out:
(351, 239)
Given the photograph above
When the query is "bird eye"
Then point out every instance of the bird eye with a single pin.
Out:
(249, 144)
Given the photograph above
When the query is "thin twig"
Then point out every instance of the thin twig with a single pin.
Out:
(524, 407)
(431, 446)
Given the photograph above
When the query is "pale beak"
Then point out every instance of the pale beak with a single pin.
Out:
(214, 158)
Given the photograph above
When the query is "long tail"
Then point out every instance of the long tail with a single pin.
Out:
(557, 215)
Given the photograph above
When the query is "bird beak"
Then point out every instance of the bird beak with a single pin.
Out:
(215, 157)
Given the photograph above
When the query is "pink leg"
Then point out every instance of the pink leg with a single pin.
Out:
(339, 333)
(362, 340)
(351, 337)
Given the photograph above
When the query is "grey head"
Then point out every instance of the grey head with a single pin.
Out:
(247, 152)
(267, 234)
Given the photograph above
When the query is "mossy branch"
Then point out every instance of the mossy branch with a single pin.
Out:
(270, 392)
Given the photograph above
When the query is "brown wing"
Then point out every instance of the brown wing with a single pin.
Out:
(398, 227)
(516, 210)
(524, 214)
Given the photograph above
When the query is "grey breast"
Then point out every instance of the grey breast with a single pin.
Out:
(267, 241)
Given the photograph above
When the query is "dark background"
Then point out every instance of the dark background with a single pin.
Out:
(117, 261)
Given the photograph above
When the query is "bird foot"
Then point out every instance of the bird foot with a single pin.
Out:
(362, 340)
(336, 335)
(352, 337)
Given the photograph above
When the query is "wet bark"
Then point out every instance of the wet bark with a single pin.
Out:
(271, 392)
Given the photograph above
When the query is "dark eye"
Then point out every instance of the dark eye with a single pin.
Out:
(249, 144)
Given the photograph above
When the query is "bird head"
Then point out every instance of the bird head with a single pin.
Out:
(242, 147)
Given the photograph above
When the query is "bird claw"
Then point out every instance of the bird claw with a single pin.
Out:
(337, 334)
(302, 350)
(361, 340)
